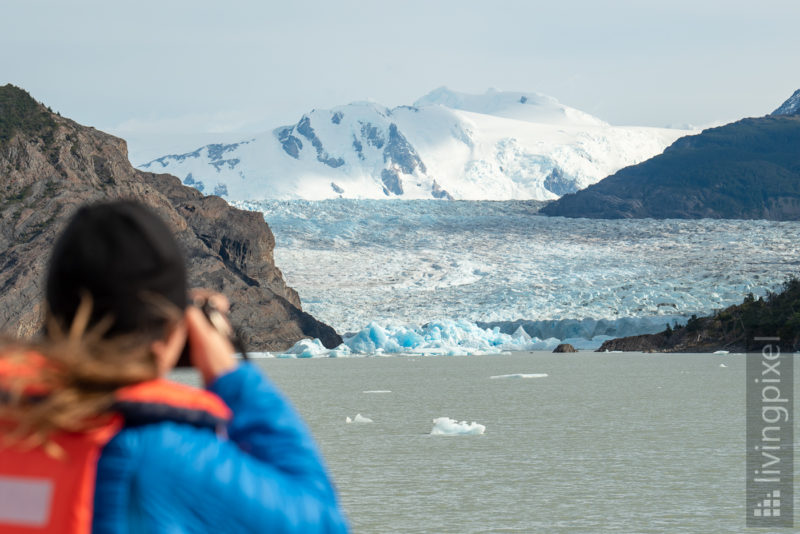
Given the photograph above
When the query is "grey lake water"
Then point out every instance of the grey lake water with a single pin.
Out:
(605, 443)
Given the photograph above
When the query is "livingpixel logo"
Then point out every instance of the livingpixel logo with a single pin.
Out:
(770, 506)
(770, 435)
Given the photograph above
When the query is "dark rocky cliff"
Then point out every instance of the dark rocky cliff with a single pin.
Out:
(50, 165)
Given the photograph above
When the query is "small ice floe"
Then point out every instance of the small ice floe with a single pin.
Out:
(444, 426)
(721, 352)
(377, 391)
(521, 375)
(723, 365)
(313, 348)
(358, 419)
(256, 355)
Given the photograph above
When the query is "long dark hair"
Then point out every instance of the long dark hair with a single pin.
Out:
(116, 282)
(123, 256)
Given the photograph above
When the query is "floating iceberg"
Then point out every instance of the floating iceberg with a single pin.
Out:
(521, 375)
(377, 391)
(444, 426)
(313, 348)
(721, 352)
(358, 419)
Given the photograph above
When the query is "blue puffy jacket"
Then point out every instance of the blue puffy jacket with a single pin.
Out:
(171, 477)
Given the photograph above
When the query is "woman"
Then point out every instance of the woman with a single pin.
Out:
(95, 439)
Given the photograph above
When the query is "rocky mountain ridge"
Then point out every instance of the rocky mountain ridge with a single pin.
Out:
(749, 169)
(50, 165)
(791, 106)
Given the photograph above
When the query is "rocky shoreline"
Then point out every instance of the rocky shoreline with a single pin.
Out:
(731, 329)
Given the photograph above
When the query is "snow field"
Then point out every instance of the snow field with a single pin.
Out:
(495, 146)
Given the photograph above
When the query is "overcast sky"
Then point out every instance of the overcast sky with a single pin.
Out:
(200, 66)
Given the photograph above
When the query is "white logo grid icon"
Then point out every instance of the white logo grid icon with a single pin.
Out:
(770, 506)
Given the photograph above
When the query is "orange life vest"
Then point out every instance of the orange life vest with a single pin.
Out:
(43, 494)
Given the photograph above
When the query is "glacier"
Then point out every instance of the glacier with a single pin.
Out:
(441, 338)
(430, 277)
(448, 145)
(449, 338)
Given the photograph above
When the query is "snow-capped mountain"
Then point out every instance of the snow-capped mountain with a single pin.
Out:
(791, 106)
(495, 146)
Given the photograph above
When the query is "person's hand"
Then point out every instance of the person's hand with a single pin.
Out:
(210, 347)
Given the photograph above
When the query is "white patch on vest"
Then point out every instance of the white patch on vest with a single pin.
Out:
(25, 501)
